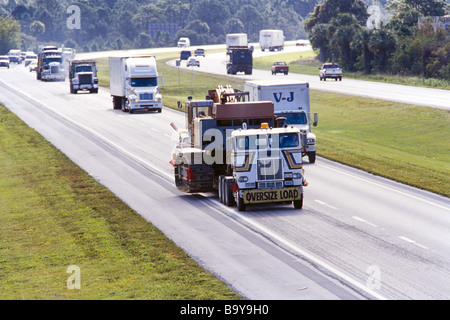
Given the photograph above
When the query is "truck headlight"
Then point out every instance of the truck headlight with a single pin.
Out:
(296, 175)
(243, 179)
(311, 140)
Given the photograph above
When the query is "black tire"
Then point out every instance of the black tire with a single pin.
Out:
(298, 204)
(220, 187)
(240, 203)
(229, 198)
(311, 157)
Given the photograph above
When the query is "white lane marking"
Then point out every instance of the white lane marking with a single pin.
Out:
(384, 187)
(325, 204)
(365, 221)
(412, 242)
(301, 252)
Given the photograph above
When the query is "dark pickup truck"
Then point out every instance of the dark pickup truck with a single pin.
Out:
(280, 67)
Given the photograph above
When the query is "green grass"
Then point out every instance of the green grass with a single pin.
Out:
(401, 142)
(54, 215)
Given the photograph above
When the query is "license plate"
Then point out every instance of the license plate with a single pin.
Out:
(273, 195)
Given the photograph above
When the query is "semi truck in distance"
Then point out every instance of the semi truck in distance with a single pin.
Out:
(14, 56)
(271, 40)
(83, 76)
(50, 65)
(239, 59)
(134, 83)
(239, 54)
(291, 101)
(240, 149)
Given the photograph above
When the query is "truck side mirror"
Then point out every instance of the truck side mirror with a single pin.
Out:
(179, 104)
(316, 119)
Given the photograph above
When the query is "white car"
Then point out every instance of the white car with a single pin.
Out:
(32, 65)
(4, 61)
(193, 62)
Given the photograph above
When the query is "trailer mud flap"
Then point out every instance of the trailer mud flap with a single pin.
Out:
(273, 195)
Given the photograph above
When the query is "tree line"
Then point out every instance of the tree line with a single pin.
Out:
(346, 32)
(357, 34)
(124, 24)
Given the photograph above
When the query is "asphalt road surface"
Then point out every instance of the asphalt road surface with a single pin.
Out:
(358, 236)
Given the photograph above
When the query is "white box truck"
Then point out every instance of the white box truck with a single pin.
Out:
(134, 83)
(236, 40)
(291, 100)
(271, 39)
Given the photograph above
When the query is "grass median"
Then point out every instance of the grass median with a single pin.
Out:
(54, 215)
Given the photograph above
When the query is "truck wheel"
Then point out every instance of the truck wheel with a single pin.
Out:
(298, 204)
(340, 78)
(312, 157)
(220, 188)
(240, 203)
(117, 103)
(229, 198)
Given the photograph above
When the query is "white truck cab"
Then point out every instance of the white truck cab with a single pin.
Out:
(134, 83)
(267, 165)
(291, 100)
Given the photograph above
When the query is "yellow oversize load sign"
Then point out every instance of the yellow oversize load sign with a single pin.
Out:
(273, 195)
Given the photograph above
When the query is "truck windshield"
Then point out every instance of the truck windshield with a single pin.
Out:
(294, 118)
(144, 82)
(49, 60)
(83, 69)
(284, 140)
(251, 142)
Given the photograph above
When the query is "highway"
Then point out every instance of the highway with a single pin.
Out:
(358, 236)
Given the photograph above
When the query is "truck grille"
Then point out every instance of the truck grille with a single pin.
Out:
(85, 78)
(146, 96)
(54, 69)
(270, 169)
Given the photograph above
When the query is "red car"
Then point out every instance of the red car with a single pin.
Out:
(280, 67)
